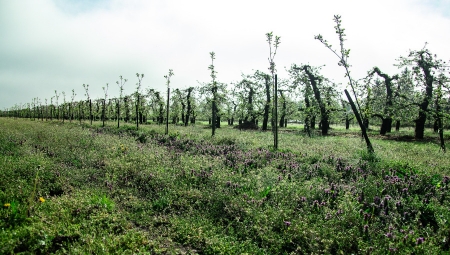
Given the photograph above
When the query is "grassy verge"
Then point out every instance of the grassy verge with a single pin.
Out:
(79, 189)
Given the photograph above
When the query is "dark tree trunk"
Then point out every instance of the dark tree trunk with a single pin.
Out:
(214, 110)
(127, 114)
(70, 116)
(366, 123)
(251, 113)
(218, 122)
(283, 110)
(188, 110)
(193, 118)
(307, 115)
(118, 113)
(267, 106)
(103, 112)
(79, 112)
(347, 123)
(423, 107)
(358, 118)
(386, 126)
(281, 124)
(397, 126)
(183, 106)
(90, 110)
(323, 111)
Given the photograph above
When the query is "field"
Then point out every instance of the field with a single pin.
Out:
(81, 189)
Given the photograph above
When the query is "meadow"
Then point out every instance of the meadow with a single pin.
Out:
(82, 189)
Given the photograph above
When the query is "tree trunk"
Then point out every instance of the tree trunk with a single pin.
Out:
(436, 126)
(366, 123)
(358, 118)
(324, 119)
(386, 126)
(90, 110)
(267, 106)
(188, 110)
(118, 113)
(423, 107)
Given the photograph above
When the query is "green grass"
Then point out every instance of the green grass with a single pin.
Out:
(123, 191)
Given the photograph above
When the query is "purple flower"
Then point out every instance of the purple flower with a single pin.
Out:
(446, 179)
(287, 223)
(420, 240)
(389, 235)
(376, 200)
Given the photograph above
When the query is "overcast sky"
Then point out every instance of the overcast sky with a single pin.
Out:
(48, 45)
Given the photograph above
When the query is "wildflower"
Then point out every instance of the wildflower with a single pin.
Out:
(41, 199)
(389, 235)
(287, 223)
(446, 179)
(7, 205)
(376, 200)
(420, 240)
(405, 238)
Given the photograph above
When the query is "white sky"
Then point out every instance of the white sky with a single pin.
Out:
(49, 45)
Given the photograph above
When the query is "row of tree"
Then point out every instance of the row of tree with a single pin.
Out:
(417, 95)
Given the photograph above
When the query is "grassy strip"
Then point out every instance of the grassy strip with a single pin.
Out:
(122, 191)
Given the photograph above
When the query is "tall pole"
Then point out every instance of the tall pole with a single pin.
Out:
(137, 110)
(167, 112)
(275, 143)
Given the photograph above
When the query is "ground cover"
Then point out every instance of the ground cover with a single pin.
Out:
(70, 188)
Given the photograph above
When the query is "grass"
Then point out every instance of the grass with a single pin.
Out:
(109, 190)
